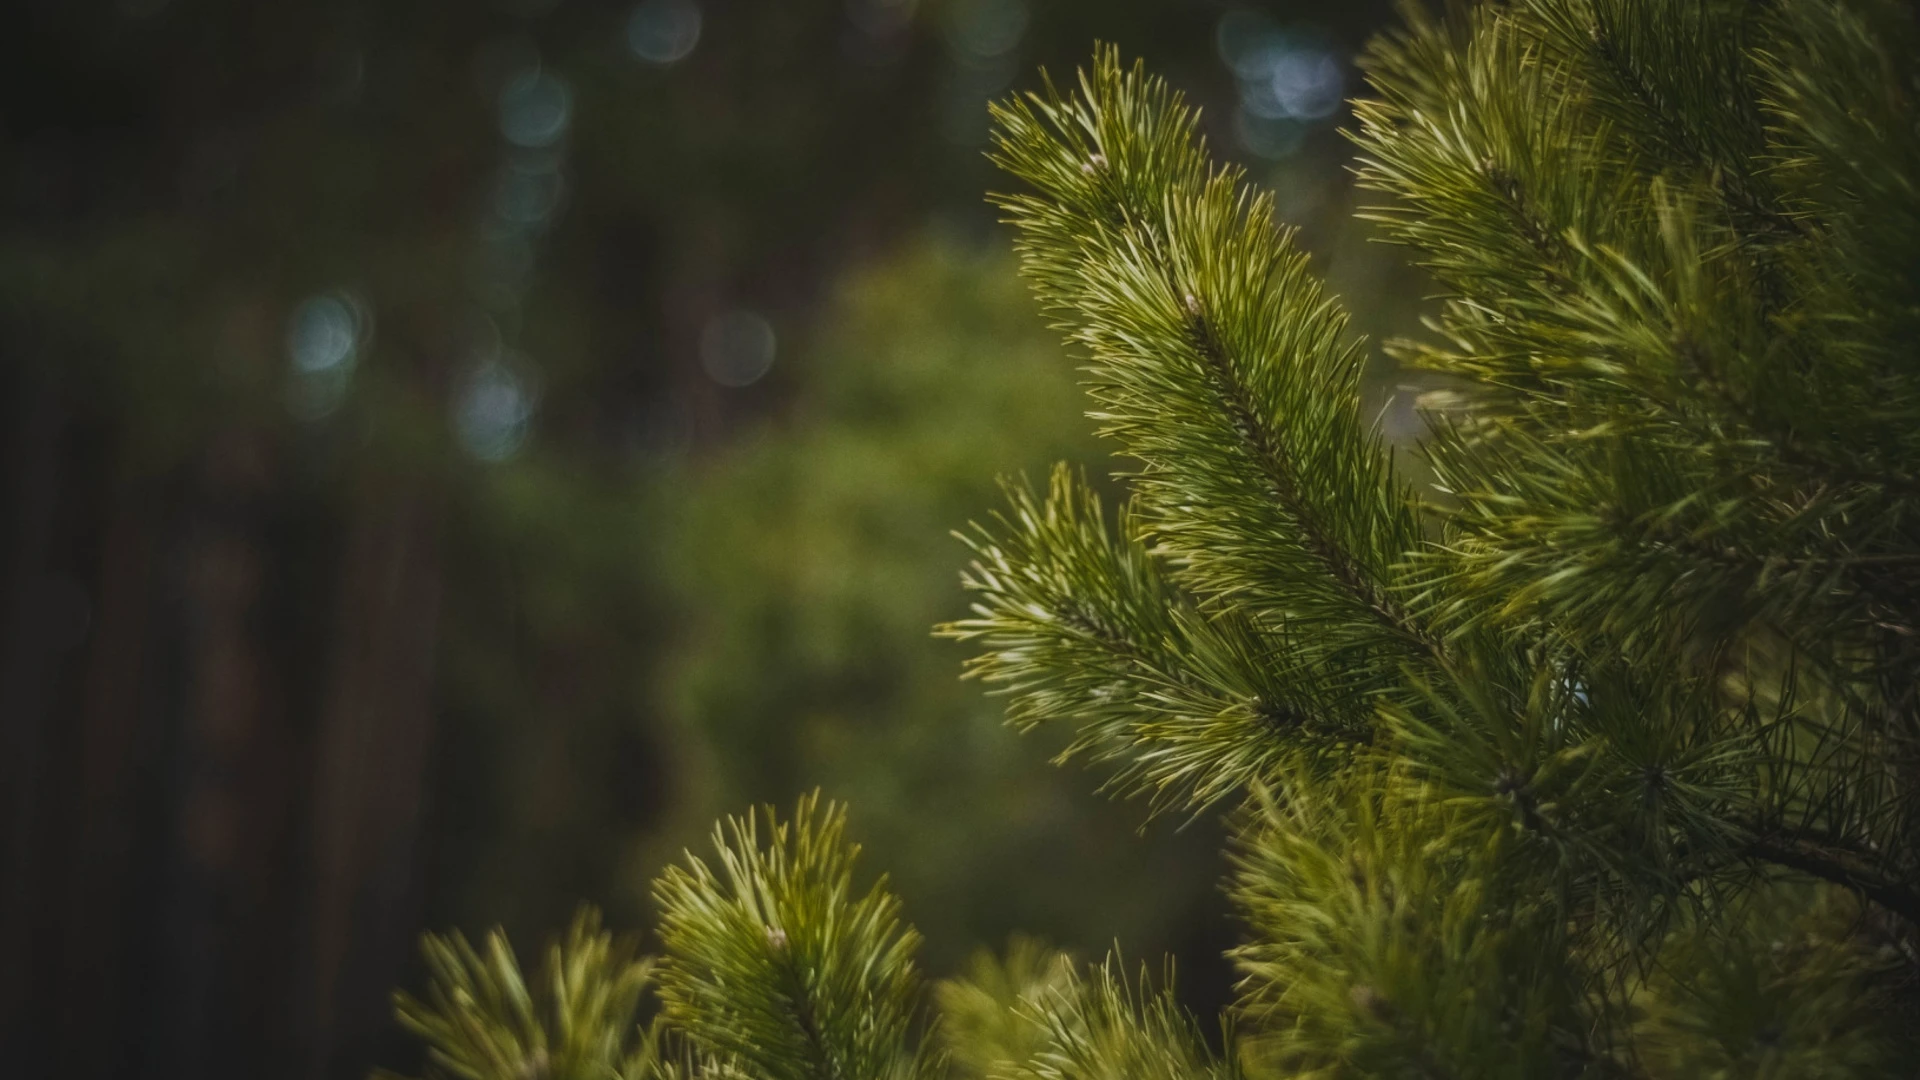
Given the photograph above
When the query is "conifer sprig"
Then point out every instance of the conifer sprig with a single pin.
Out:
(1215, 360)
(1673, 414)
(1783, 983)
(1253, 608)
(1103, 1026)
(1080, 626)
(482, 1019)
(1687, 433)
(988, 1022)
(1377, 949)
(776, 965)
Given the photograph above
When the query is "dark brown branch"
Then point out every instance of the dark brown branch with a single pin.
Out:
(1840, 868)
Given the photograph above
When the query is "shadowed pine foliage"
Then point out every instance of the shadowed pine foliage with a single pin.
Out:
(1598, 758)
(576, 1021)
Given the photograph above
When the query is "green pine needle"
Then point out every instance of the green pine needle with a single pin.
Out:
(777, 965)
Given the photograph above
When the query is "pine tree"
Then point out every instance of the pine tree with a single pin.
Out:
(1597, 756)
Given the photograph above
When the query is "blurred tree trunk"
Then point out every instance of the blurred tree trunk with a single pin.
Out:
(225, 768)
(109, 806)
(370, 782)
(210, 813)
(27, 690)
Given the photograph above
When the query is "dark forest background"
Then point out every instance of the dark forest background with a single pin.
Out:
(452, 451)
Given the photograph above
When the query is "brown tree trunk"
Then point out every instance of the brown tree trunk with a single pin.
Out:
(27, 693)
(222, 905)
(116, 722)
(371, 775)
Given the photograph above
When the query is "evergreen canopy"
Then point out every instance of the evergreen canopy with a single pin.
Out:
(1598, 758)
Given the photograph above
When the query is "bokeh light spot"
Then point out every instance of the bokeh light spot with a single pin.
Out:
(324, 339)
(325, 333)
(494, 409)
(1307, 82)
(736, 349)
(1284, 73)
(535, 109)
(664, 31)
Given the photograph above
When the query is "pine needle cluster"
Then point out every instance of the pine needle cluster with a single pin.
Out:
(1597, 757)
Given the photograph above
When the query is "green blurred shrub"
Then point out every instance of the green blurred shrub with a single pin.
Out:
(813, 556)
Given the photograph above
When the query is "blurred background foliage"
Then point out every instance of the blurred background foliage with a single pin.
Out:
(808, 557)
(453, 451)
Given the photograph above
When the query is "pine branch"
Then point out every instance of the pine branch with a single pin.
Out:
(1104, 1027)
(775, 965)
(1214, 360)
(1641, 405)
(1078, 626)
(1779, 981)
(990, 1018)
(1286, 487)
(1828, 859)
(1390, 936)
(482, 1021)
(1666, 64)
